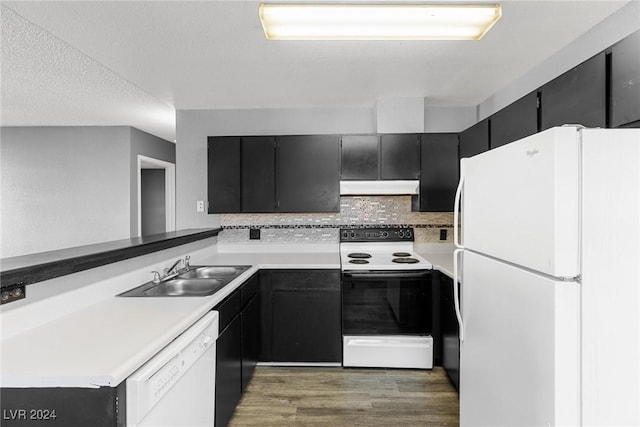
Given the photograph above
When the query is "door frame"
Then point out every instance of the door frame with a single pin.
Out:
(145, 162)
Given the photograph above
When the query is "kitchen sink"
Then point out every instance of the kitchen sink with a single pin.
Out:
(198, 281)
(213, 272)
(186, 287)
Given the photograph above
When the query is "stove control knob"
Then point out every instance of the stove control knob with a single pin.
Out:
(401, 234)
(353, 234)
(384, 234)
(345, 234)
(408, 234)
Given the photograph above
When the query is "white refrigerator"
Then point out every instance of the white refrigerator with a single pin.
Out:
(550, 281)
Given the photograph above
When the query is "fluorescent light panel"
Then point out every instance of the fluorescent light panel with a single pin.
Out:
(377, 22)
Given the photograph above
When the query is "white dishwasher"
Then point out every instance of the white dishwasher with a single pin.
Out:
(177, 386)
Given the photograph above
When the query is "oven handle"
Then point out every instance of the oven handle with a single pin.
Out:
(388, 274)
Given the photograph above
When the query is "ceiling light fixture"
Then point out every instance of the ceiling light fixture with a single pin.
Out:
(377, 21)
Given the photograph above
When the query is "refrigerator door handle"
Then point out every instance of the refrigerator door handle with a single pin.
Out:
(456, 292)
(456, 208)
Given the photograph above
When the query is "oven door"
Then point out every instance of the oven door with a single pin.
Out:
(386, 303)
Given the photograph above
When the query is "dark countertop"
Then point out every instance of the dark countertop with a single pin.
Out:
(42, 266)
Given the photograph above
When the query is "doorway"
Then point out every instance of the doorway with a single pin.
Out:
(156, 196)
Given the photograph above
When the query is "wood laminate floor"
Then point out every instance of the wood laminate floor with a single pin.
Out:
(303, 396)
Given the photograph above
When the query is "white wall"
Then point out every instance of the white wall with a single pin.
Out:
(70, 186)
(150, 146)
(400, 115)
(63, 187)
(194, 126)
(597, 39)
(448, 118)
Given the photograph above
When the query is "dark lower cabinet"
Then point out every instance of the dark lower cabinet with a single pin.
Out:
(305, 323)
(576, 97)
(228, 371)
(301, 320)
(449, 331)
(250, 339)
(63, 407)
(625, 82)
(237, 347)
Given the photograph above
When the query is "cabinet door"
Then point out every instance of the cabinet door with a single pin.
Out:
(625, 82)
(439, 171)
(400, 156)
(306, 326)
(228, 372)
(266, 316)
(306, 316)
(450, 337)
(250, 339)
(258, 174)
(515, 121)
(308, 173)
(474, 140)
(359, 155)
(576, 97)
(223, 174)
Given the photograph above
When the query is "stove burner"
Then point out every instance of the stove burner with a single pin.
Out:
(359, 255)
(358, 261)
(401, 254)
(405, 260)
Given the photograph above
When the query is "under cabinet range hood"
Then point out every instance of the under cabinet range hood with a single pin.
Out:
(379, 188)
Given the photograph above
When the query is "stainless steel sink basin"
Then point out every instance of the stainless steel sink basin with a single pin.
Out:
(186, 287)
(197, 282)
(214, 272)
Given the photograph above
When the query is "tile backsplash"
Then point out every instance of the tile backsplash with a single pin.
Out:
(355, 211)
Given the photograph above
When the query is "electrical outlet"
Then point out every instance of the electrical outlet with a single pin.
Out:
(200, 206)
(443, 234)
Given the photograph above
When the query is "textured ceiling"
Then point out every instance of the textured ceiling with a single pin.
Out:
(135, 62)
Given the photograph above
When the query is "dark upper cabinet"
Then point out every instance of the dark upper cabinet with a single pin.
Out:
(439, 171)
(241, 174)
(308, 173)
(360, 159)
(515, 121)
(244, 174)
(224, 174)
(400, 156)
(576, 97)
(474, 140)
(258, 174)
(375, 157)
(625, 82)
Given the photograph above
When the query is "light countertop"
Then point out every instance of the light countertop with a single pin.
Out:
(438, 254)
(104, 343)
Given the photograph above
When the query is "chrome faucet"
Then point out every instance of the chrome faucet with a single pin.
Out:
(156, 277)
(176, 266)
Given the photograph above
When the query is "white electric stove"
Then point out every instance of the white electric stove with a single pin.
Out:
(386, 299)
